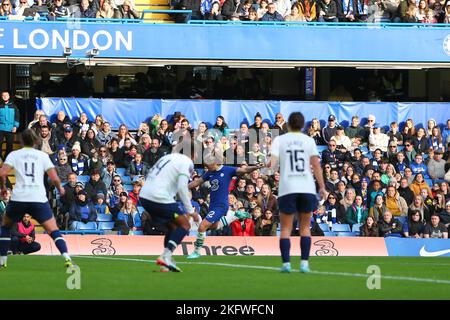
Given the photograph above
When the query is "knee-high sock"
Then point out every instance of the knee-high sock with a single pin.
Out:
(175, 238)
(285, 247)
(305, 246)
(199, 242)
(227, 219)
(60, 243)
(5, 240)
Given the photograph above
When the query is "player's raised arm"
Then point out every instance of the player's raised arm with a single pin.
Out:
(183, 193)
(196, 183)
(318, 174)
(248, 169)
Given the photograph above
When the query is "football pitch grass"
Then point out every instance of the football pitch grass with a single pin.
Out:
(224, 277)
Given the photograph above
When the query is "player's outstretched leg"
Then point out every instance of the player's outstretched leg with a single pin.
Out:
(60, 242)
(171, 242)
(5, 240)
(232, 216)
(305, 241)
(285, 242)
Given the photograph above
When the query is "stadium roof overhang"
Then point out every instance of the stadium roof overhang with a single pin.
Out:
(229, 63)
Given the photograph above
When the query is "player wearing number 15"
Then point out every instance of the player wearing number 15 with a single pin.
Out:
(29, 195)
(295, 153)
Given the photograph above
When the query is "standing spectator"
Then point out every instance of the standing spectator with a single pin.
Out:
(23, 237)
(329, 130)
(327, 11)
(82, 210)
(389, 226)
(272, 14)
(9, 119)
(415, 226)
(436, 166)
(435, 229)
(369, 228)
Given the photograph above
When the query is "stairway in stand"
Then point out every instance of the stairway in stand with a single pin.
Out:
(154, 5)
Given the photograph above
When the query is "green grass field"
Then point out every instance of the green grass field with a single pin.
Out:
(219, 277)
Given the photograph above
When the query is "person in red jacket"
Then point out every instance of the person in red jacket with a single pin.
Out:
(244, 227)
(23, 237)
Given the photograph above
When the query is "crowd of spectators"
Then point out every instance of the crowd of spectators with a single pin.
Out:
(372, 176)
(411, 11)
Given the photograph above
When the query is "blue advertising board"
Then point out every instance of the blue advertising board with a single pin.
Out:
(408, 247)
(276, 42)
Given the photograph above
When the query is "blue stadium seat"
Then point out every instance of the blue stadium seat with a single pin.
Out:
(324, 226)
(106, 225)
(126, 179)
(355, 227)
(341, 227)
(121, 171)
(104, 217)
(346, 234)
(329, 234)
(84, 179)
(86, 226)
(128, 187)
(400, 148)
(322, 148)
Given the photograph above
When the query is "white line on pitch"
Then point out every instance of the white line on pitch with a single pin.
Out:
(344, 274)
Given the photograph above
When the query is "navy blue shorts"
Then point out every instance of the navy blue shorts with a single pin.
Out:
(40, 211)
(298, 202)
(215, 214)
(162, 213)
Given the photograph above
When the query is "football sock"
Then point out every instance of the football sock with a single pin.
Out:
(305, 246)
(5, 240)
(199, 242)
(227, 219)
(285, 248)
(60, 243)
(175, 238)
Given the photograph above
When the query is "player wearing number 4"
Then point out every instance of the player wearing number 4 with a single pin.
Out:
(219, 177)
(29, 195)
(298, 159)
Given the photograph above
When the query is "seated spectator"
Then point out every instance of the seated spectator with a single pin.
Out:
(215, 13)
(394, 134)
(7, 9)
(245, 227)
(435, 229)
(95, 186)
(418, 184)
(68, 140)
(308, 9)
(47, 143)
(81, 210)
(330, 129)
(145, 143)
(436, 165)
(411, 14)
(335, 158)
(244, 8)
(444, 215)
(341, 189)
(125, 11)
(335, 210)
(401, 163)
(354, 129)
(296, 13)
(280, 124)
(117, 154)
(137, 167)
(435, 140)
(57, 10)
(256, 156)
(100, 206)
(389, 226)
(24, 9)
(266, 225)
(90, 144)
(420, 142)
(62, 166)
(369, 228)
(105, 134)
(357, 213)
(267, 201)
(427, 199)
(315, 132)
(23, 237)
(378, 209)
(272, 14)
(422, 11)
(349, 198)
(77, 161)
(128, 219)
(395, 203)
(262, 8)
(124, 134)
(377, 139)
(375, 191)
(415, 226)
(409, 151)
(118, 201)
(419, 205)
(327, 11)
(85, 11)
(134, 194)
(332, 183)
(343, 142)
(108, 174)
